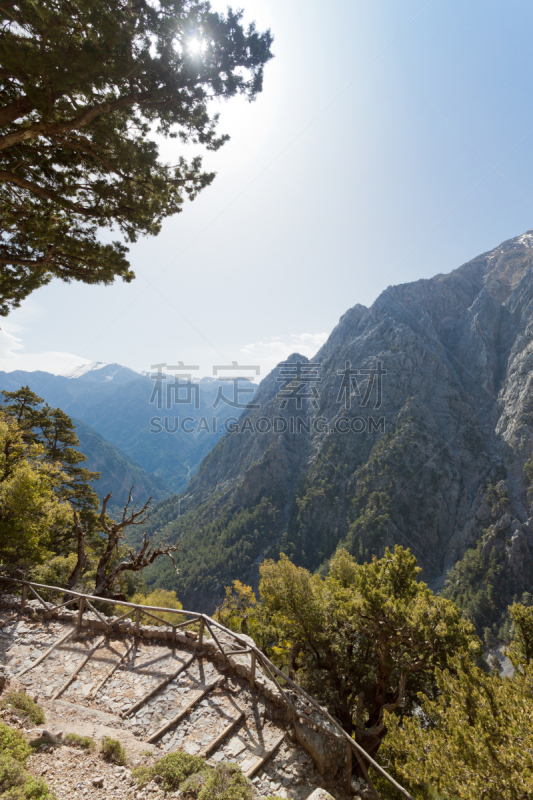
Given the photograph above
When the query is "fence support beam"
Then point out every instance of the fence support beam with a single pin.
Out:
(348, 769)
(23, 598)
(47, 652)
(132, 709)
(366, 775)
(215, 743)
(80, 613)
(252, 670)
(174, 721)
(111, 670)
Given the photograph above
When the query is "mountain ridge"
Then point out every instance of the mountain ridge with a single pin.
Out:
(118, 472)
(116, 402)
(457, 350)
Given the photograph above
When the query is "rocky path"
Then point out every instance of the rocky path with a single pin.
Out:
(89, 707)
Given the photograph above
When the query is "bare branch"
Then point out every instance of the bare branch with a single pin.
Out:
(127, 504)
(133, 561)
(82, 558)
(103, 523)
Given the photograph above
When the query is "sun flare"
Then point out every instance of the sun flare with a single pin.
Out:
(195, 46)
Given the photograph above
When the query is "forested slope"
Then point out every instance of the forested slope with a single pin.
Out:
(416, 411)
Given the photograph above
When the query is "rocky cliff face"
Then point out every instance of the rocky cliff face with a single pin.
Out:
(394, 432)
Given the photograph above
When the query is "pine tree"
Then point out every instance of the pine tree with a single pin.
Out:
(55, 432)
(84, 86)
(474, 739)
(31, 513)
(367, 638)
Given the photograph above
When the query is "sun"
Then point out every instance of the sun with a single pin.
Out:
(195, 46)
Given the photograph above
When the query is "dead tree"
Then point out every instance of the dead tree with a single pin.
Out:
(132, 561)
(82, 558)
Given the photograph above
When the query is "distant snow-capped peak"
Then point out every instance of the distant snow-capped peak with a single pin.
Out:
(102, 372)
(77, 372)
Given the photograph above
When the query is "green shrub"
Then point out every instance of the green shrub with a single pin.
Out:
(22, 705)
(172, 768)
(196, 779)
(33, 789)
(85, 742)
(142, 775)
(38, 789)
(162, 598)
(55, 572)
(16, 784)
(192, 787)
(13, 743)
(112, 751)
(12, 773)
(226, 782)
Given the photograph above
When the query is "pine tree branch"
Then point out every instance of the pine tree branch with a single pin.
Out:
(88, 211)
(23, 134)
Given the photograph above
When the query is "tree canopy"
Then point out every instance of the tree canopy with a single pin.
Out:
(365, 640)
(56, 433)
(46, 498)
(476, 735)
(31, 512)
(85, 86)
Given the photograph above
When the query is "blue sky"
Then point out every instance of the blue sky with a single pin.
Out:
(393, 141)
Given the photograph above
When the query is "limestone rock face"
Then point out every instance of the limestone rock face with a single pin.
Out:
(411, 409)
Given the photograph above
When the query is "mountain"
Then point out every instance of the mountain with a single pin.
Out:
(412, 425)
(118, 472)
(168, 442)
(99, 372)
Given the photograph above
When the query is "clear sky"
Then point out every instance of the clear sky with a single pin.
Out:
(393, 141)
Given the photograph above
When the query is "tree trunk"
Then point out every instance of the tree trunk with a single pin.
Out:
(80, 563)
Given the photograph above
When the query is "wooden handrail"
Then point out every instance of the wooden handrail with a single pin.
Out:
(245, 643)
(97, 599)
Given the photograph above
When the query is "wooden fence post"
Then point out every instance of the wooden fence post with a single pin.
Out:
(23, 598)
(201, 634)
(137, 622)
(252, 669)
(348, 769)
(80, 613)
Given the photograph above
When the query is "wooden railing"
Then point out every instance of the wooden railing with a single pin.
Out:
(244, 646)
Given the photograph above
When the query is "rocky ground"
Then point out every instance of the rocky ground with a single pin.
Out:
(290, 773)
